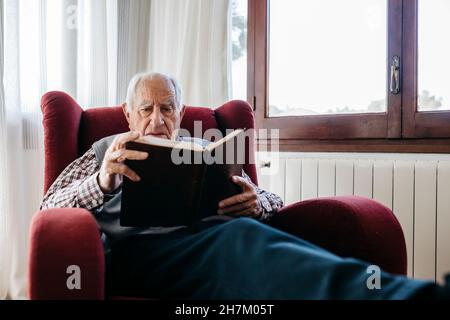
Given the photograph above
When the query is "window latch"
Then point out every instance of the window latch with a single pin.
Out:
(395, 75)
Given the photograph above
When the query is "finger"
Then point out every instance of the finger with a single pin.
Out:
(240, 198)
(122, 154)
(119, 168)
(237, 207)
(120, 140)
(244, 184)
(250, 212)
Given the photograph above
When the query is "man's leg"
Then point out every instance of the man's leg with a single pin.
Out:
(245, 259)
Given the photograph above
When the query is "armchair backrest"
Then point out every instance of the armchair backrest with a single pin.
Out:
(69, 131)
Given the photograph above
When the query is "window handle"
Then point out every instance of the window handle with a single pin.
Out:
(265, 164)
(395, 75)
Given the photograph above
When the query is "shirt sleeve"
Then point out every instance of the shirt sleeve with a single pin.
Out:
(76, 186)
(269, 202)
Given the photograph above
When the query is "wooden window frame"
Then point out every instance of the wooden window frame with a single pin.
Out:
(400, 129)
(424, 124)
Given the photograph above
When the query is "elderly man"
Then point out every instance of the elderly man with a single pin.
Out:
(231, 255)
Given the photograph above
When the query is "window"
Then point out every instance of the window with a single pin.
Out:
(365, 73)
(426, 81)
(333, 40)
(239, 49)
(434, 53)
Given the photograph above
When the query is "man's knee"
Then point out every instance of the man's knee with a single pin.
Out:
(242, 228)
(250, 232)
(242, 223)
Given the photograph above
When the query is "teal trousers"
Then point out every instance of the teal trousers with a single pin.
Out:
(245, 259)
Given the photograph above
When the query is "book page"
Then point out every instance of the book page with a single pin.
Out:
(230, 136)
(170, 143)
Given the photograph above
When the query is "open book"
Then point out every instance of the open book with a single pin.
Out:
(181, 181)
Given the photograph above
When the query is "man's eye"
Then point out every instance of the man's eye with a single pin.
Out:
(145, 111)
(166, 109)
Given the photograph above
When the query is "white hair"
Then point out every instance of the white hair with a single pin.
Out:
(134, 83)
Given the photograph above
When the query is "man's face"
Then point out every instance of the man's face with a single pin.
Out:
(154, 110)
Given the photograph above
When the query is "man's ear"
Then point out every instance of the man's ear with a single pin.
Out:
(126, 112)
(183, 109)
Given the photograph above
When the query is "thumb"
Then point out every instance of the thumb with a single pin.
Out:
(241, 182)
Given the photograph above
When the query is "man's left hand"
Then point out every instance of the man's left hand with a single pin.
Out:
(244, 204)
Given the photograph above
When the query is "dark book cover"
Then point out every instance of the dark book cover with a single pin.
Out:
(172, 194)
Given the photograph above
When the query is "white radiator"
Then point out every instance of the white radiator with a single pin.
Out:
(415, 186)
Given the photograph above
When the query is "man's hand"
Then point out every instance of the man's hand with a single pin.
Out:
(244, 204)
(112, 169)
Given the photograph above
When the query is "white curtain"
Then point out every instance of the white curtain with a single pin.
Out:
(86, 48)
(89, 49)
(189, 39)
(4, 223)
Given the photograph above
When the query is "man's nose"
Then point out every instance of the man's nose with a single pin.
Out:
(156, 117)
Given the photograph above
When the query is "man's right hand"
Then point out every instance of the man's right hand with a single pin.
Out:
(113, 169)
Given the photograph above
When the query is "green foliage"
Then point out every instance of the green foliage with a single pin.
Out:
(428, 102)
(239, 23)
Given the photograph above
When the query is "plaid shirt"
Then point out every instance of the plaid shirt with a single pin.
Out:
(77, 187)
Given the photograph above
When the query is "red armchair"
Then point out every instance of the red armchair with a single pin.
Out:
(348, 226)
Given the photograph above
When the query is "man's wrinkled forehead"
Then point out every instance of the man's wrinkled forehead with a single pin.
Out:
(156, 90)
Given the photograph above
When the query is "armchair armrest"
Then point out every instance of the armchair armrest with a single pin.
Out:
(60, 238)
(350, 226)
